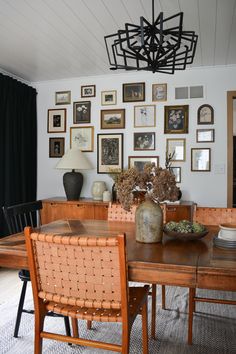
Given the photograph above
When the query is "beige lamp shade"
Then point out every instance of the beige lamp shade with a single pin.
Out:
(74, 159)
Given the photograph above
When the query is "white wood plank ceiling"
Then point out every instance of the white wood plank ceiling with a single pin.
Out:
(55, 39)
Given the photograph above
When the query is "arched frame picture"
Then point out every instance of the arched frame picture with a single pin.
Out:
(205, 114)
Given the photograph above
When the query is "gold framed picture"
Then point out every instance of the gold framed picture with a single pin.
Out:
(159, 92)
(112, 118)
(144, 116)
(82, 137)
(176, 119)
(140, 161)
(176, 148)
(62, 97)
(108, 98)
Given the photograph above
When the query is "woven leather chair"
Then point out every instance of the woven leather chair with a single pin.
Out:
(84, 277)
(117, 213)
(208, 216)
(17, 217)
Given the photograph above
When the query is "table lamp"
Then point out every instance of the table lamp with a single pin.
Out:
(73, 160)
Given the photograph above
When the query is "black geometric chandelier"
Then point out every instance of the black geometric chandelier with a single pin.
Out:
(161, 46)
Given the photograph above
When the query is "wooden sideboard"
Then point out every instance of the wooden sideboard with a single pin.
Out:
(182, 211)
(60, 208)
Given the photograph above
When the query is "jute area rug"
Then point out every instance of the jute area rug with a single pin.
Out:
(214, 329)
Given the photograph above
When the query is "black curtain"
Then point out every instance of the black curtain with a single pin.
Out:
(18, 144)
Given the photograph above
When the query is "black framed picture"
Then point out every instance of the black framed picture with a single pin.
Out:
(57, 120)
(109, 153)
(88, 91)
(113, 118)
(205, 114)
(144, 141)
(134, 92)
(200, 159)
(82, 112)
(176, 119)
(56, 147)
(205, 135)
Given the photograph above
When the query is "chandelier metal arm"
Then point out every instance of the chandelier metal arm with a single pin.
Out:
(160, 46)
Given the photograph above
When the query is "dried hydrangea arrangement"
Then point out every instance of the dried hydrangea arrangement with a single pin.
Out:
(158, 183)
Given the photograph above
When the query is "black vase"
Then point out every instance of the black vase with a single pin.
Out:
(114, 193)
(180, 194)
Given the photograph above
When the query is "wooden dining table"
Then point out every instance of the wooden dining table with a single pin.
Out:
(193, 264)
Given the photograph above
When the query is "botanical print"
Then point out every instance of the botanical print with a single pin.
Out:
(82, 112)
(82, 138)
(56, 147)
(176, 119)
(144, 116)
(56, 120)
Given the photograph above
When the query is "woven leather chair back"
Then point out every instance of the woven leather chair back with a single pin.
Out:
(117, 213)
(214, 216)
(77, 270)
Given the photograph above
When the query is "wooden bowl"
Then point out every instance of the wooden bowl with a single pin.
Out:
(186, 236)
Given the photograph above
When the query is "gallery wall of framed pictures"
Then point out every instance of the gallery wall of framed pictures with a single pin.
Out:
(130, 126)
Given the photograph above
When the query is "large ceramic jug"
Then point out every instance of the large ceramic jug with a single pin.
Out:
(149, 222)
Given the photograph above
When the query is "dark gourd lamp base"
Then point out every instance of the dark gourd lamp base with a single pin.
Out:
(73, 183)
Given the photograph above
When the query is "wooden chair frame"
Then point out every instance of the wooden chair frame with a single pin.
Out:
(124, 308)
(17, 217)
(208, 216)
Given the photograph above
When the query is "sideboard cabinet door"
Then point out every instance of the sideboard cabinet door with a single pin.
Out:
(179, 212)
(59, 209)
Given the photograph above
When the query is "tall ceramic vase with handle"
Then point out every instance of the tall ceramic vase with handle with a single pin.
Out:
(98, 188)
(149, 222)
